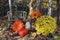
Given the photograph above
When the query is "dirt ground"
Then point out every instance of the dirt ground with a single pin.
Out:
(8, 34)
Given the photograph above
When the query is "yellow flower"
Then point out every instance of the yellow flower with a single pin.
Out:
(45, 25)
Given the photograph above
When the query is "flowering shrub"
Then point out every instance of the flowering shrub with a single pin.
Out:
(45, 25)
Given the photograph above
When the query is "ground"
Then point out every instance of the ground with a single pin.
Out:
(8, 34)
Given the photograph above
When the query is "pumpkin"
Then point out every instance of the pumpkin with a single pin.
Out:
(27, 25)
(23, 32)
(35, 14)
(18, 25)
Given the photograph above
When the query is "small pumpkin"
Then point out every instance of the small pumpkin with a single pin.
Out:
(35, 14)
(18, 25)
(27, 25)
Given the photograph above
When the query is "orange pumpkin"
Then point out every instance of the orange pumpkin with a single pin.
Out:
(35, 14)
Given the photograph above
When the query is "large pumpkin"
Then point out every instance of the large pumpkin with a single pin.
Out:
(17, 25)
(35, 14)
